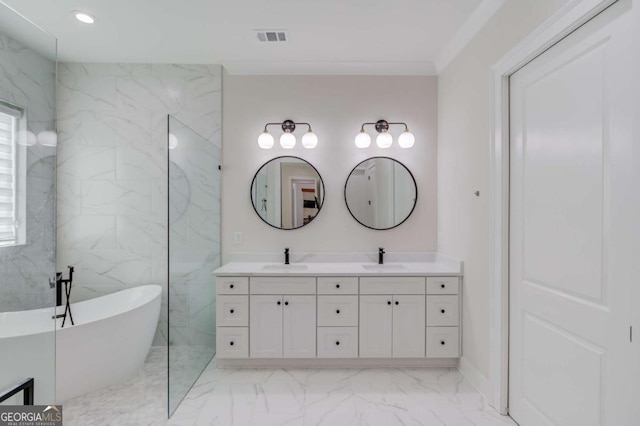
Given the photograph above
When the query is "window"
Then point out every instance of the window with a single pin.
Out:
(12, 175)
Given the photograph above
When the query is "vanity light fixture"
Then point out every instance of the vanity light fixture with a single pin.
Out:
(384, 138)
(288, 139)
(84, 17)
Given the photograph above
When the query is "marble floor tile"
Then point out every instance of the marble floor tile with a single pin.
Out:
(305, 397)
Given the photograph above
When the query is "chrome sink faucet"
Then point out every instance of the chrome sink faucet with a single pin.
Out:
(381, 256)
(286, 255)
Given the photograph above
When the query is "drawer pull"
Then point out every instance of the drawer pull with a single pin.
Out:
(442, 342)
(231, 311)
(337, 311)
(230, 285)
(231, 343)
(442, 311)
(397, 303)
(442, 285)
(389, 302)
(337, 285)
(286, 303)
(338, 342)
(279, 302)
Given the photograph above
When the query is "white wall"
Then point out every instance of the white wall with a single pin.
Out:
(463, 162)
(336, 106)
(112, 168)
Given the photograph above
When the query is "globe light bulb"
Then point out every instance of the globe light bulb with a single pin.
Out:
(363, 140)
(384, 140)
(406, 139)
(309, 140)
(265, 140)
(287, 140)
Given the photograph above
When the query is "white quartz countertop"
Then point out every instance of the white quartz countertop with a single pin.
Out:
(396, 269)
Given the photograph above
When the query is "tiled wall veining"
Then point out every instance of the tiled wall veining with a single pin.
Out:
(27, 80)
(112, 168)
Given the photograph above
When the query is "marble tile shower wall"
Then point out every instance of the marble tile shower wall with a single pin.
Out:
(112, 168)
(27, 79)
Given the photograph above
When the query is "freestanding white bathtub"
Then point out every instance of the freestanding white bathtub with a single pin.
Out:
(108, 343)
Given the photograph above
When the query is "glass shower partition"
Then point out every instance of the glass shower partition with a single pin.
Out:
(28, 142)
(194, 252)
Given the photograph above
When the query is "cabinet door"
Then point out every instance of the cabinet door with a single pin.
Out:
(265, 327)
(375, 326)
(408, 326)
(299, 326)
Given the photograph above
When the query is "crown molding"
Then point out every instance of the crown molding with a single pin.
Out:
(328, 68)
(467, 32)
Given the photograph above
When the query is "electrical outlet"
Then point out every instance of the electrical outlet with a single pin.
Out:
(238, 238)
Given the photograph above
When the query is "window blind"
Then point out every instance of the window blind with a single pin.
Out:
(8, 189)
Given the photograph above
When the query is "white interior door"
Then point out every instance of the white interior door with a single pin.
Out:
(574, 246)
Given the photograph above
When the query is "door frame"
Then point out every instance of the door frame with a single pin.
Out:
(566, 20)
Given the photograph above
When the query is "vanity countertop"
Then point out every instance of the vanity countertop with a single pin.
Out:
(395, 269)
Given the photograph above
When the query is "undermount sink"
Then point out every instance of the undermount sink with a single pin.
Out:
(282, 267)
(384, 267)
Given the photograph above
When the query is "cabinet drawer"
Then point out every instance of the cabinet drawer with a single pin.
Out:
(337, 285)
(443, 342)
(392, 285)
(442, 285)
(232, 311)
(338, 311)
(232, 342)
(283, 285)
(337, 342)
(232, 285)
(442, 311)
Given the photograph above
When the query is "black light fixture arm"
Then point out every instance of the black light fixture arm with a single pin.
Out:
(383, 125)
(288, 126)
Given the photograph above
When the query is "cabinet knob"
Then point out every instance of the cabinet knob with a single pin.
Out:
(397, 303)
(231, 311)
(230, 285)
(231, 343)
(441, 285)
(337, 285)
(442, 342)
(389, 302)
(338, 342)
(337, 311)
(279, 302)
(442, 311)
(286, 303)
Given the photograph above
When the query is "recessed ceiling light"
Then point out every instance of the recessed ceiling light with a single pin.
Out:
(84, 17)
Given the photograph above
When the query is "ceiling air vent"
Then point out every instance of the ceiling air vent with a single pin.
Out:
(272, 35)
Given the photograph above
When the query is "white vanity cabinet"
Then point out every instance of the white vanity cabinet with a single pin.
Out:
(407, 318)
(392, 317)
(282, 325)
(443, 317)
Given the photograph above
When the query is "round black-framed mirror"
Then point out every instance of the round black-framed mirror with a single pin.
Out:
(380, 193)
(287, 192)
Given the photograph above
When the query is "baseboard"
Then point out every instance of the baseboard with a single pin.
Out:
(474, 377)
(338, 363)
